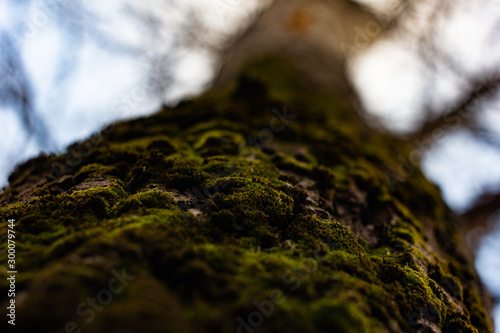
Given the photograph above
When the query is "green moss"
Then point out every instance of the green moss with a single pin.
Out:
(94, 170)
(217, 142)
(286, 162)
(214, 222)
(143, 200)
(330, 315)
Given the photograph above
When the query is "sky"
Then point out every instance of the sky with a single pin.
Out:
(102, 87)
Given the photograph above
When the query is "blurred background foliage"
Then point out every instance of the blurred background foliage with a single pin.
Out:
(67, 68)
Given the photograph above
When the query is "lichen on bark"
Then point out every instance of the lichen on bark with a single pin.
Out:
(262, 207)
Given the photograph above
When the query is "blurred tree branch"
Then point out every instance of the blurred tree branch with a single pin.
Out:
(482, 89)
(16, 91)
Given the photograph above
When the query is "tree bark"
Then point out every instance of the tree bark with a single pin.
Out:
(263, 205)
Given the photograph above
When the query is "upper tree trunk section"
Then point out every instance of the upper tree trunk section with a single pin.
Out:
(316, 34)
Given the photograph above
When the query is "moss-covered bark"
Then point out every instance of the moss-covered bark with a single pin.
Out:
(264, 207)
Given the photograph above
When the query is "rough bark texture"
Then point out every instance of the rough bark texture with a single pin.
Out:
(261, 207)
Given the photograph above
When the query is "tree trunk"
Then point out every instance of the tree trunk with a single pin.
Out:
(261, 206)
